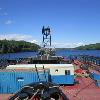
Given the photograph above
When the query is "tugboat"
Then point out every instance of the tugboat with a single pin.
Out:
(41, 77)
(49, 77)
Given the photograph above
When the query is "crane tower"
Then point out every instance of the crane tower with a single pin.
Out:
(46, 37)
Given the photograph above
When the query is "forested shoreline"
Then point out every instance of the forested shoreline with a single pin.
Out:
(95, 46)
(12, 46)
(89, 47)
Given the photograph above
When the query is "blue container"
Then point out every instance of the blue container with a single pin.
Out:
(63, 79)
(10, 82)
(98, 83)
(95, 76)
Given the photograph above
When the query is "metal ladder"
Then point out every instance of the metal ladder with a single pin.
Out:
(38, 75)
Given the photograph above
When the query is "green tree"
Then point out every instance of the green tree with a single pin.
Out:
(12, 46)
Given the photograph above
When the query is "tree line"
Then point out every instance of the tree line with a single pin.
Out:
(89, 47)
(12, 46)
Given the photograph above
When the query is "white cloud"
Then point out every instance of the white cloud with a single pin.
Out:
(29, 38)
(8, 22)
(66, 45)
(5, 13)
(34, 41)
(18, 37)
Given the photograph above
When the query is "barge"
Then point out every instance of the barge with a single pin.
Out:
(41, 72)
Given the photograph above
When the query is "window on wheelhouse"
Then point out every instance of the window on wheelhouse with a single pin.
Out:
(67, 72)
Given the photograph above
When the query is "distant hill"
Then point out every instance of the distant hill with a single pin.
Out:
(85, 47)
(64, 48)
(12, 46)
(89, 47)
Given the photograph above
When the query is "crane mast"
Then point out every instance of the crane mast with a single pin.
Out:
(46, 37)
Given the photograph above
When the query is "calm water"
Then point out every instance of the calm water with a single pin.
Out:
(64, 53)
(78, 52)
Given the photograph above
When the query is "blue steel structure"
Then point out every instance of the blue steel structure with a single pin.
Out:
(62, 79)
(96, 78)
(10, 82)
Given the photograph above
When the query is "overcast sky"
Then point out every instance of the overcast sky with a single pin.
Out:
(72, 22)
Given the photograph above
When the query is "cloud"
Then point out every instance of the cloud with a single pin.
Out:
(34, 41)
(5, 13)
(18, 37)
(8, 22)
(66, 45)
(29, 38)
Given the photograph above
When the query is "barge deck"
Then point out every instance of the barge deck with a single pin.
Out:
(85, 89)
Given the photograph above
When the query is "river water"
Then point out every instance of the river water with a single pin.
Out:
(60, 52)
